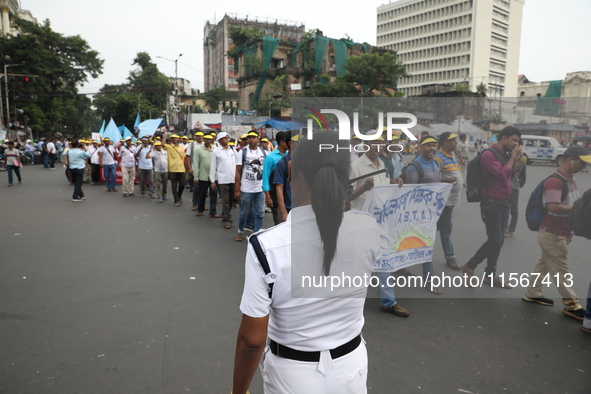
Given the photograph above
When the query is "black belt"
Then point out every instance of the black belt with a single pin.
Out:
(292, 354)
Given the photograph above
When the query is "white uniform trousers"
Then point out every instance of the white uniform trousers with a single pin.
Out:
(346, 374)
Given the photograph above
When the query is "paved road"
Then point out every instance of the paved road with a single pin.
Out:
(97, 297)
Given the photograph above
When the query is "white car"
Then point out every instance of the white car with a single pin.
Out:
(537, 147)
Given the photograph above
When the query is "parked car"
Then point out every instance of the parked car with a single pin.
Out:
(540, 148)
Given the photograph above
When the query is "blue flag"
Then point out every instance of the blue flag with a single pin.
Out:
(136, 126)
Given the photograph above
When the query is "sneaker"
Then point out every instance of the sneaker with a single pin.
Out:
(83, 198)
(508, 234)
(248, 228)
(539, 300)
(76, 200)
(579, 314)
(160, 200)
(395, 309)
(268, 210)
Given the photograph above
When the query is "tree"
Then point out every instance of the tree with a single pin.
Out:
(147, 90)
(276, 98)
(56, 65)
(367, 75)
(242, 35)
(374, 72)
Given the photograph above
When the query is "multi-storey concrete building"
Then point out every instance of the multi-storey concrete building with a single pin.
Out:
(454, 41)
(219, 70)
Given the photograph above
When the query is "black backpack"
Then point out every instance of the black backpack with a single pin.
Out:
(474, 181)
(580, 216)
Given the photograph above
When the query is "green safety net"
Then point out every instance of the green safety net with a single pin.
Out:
(269, 46)
(293, 56)
(247, 52)
(550, 104)
(320, 47)
(340, 50)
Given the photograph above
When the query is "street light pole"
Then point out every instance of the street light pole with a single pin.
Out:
(6, 89)
(176, 77)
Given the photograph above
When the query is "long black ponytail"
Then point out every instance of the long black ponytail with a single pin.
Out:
(325, 171)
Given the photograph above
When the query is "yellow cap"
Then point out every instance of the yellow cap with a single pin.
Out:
(199, 133)
(174, 136)
(265, 140)
(231, 143)
(252, 134)
(208, 137)
(185, 137)
(452, 136)
(243, 136)
(428, 140)
(585, 158)
(157, 143)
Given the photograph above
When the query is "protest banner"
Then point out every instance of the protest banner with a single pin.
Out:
(407, 218)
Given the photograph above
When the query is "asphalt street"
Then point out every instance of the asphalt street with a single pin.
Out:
(125, 295)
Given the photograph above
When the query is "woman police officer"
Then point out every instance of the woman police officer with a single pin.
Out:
(314, 332)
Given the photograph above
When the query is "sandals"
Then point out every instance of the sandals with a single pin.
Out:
(199, 214)
(434, 290)
(215, 216)
(239, 237)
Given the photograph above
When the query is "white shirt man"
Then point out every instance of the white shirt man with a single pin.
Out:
(223, 163)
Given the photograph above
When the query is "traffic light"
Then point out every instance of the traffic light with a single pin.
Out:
(27, 79)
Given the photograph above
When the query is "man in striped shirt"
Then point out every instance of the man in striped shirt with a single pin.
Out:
(451, 172)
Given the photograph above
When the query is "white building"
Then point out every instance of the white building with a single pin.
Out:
(8, 10)
(454, 41)
(569, 98)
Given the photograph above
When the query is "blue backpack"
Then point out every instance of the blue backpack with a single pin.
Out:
(536, 212)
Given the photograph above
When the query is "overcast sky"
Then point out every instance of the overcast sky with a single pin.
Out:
(554, 37)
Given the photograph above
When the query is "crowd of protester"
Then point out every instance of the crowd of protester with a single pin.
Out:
(254, 173)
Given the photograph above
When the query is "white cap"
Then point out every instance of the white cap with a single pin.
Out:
(127, 138)
(222, 135)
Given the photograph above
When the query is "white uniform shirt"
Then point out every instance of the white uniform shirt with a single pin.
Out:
(127, 156)
(108, 155)
(252, 170)
(94, 157)
(304, 318)
(364, 166)
(223, 161)
(160, 160)
(51, 148)
(145, 164)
